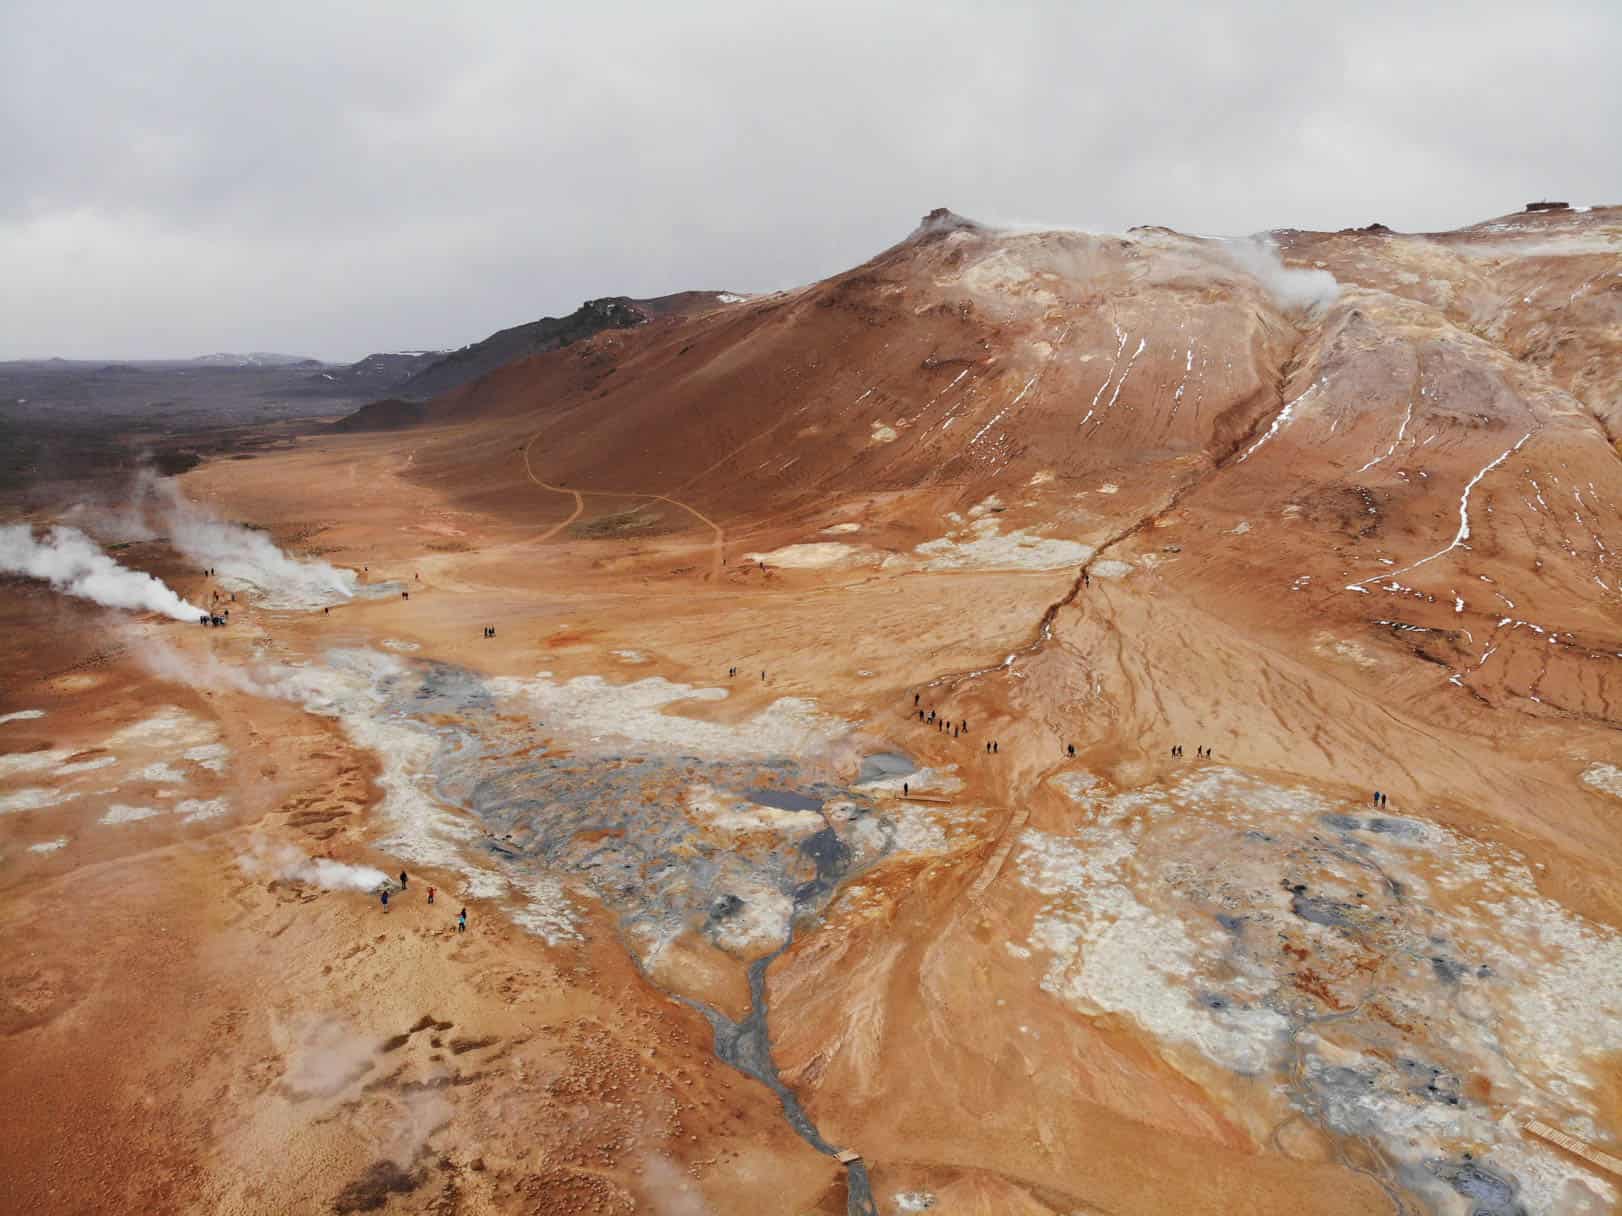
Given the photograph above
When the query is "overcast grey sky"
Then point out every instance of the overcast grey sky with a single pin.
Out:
(331, 179)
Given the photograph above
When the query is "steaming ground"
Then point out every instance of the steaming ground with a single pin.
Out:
(243, 559)
(240, 559)
(73, 564)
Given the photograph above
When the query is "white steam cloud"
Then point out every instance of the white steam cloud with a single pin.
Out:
(242, 559)
(418, 1117)
(322, 1056)
(288, 864)
(311, 686)
(208, 671)
(326, 1059)
(673, 1193)
(1292, 289)
(75, 565)
(122, 524)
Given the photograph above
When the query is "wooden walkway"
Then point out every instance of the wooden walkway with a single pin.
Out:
(994, 864)
(1573, 1145)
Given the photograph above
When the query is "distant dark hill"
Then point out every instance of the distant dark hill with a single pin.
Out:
(390, 414)
(416, 376)
(376, 373)
(549, 333)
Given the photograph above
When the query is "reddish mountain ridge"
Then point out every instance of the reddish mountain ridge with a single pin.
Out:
(1416, 429)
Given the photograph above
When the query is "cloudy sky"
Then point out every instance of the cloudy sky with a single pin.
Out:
(332, 179)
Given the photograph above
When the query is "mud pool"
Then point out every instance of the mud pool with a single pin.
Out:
(784, 800)
(739, 850)
(882, 765)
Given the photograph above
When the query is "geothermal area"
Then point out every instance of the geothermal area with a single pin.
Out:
(1040, 723)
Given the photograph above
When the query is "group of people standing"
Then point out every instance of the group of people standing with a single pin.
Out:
(961, 727)
(944, 724)
(405, 881)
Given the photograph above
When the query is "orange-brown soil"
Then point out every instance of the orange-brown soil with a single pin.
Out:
(1118, 980)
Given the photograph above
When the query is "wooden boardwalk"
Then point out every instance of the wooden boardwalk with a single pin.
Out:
(994, 864)
(1573, 1145)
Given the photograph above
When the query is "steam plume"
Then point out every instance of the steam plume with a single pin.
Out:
(243, 559)
(672, 1192)
(208, 671)
(287, 863)
(124, 523)
(1292, 289)
(74, 564)
(310, 686)
(323, 1056)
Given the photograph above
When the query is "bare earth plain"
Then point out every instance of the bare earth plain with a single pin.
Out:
(933, 717)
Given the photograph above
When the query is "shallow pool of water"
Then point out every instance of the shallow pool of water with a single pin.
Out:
(881, 765)
(784, 800)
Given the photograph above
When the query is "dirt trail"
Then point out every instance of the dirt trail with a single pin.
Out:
(717, 549)
(579, 502)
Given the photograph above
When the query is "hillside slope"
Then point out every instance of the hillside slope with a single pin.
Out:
(1045, 366)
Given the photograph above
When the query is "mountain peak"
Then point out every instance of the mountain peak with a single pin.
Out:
(943, 220)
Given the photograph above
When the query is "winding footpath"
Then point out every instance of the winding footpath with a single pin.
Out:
(717, 548)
